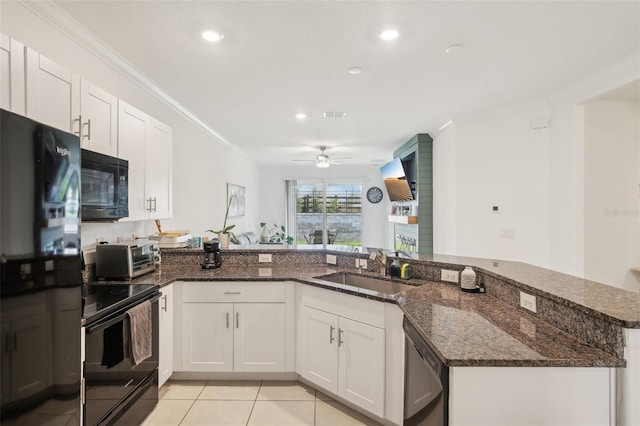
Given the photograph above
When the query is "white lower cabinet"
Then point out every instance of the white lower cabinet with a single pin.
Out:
(245, 334)
(345, 356)
(165, 364)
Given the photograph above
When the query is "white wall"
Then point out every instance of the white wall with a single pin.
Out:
(567, 186)
(201, 165)
(501, 161)
(376, 232)
(444, 191)
(611, 153)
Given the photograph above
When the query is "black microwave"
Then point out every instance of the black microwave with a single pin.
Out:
(104, 187)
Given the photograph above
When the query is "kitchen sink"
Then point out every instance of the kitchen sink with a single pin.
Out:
(366, 282)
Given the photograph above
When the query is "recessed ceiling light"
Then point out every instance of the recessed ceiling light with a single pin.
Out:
(301, 116)
(212, 36)
(354, 70)
(454, 49)
(334, 114)
(389, 35)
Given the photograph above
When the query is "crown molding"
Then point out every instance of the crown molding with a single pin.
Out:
(76, 31)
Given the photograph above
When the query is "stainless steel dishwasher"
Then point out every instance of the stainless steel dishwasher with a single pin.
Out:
(426, 388)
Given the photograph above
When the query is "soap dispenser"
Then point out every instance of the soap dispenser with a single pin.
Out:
(395, 268)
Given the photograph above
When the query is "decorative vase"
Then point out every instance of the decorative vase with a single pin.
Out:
(224, 240)
(264, 235)
(468, 279)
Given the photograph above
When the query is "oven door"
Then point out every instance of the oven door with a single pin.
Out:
(111, 381)
(104, 187)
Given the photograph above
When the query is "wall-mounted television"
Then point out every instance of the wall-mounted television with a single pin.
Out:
(395, 179)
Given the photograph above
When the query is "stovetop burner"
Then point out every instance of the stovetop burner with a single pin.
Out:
(101, 299)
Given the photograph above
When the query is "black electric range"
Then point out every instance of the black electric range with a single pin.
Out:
(117, 391)
(101, 300)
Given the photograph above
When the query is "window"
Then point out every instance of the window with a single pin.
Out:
(328, 212)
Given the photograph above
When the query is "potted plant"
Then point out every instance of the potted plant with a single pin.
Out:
(278, 237)
(225, 233)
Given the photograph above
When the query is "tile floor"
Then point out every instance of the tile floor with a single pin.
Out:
(248, 403)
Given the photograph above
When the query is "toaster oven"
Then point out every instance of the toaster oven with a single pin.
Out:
(126, 260)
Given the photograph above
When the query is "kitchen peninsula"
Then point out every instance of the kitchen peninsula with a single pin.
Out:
(587, 332)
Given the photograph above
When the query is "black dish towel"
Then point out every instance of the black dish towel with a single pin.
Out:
(113, 345)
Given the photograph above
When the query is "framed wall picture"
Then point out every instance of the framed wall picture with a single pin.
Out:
(235, 199)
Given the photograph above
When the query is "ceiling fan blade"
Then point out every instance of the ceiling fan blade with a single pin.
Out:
(306, 161)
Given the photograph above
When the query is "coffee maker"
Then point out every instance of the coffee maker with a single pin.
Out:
(212, 258)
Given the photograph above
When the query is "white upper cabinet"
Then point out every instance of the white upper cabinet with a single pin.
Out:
(53, 95)
(99, 118)
(51, 89)
(146, 144)
(158, 174)
(132, 132)
(12, 89)
(59, 98)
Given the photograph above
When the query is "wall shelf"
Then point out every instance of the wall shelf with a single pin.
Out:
(410, 220)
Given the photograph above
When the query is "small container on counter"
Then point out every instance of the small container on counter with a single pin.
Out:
(468, 280)
(394, 268)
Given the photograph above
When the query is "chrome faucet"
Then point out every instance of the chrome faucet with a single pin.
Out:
(381, 258)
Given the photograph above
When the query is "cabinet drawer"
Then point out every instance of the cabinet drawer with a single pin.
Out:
(345, 305)
(224, 291)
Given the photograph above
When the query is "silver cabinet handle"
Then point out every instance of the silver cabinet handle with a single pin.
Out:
(88, 124)
(340, 342)
(237, 320)
(331, 338)
(79, 120)
(164, 308)
(153, 204)
(232, 292)
(227, 319)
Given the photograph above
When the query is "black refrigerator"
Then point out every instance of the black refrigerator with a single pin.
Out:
(41, 273)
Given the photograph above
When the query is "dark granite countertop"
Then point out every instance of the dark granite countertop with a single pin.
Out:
(617, 306)
(465, 329)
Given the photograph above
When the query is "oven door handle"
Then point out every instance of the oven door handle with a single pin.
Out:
(101, 325)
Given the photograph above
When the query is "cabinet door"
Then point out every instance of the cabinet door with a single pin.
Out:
(99, 112)
(12, 91)
(158, 170)
(31, 360)
(53, 93)
(319, 345)
(207, 334)
(361, 365)
(165, 367)
(132, 132)
(259, 337)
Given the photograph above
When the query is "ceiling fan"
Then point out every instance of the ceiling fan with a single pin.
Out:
(323, 161)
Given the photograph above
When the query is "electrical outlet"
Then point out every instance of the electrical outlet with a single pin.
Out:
(528, 301)
(264, 257)
(450, 276)
(332, 259)
(361, 263)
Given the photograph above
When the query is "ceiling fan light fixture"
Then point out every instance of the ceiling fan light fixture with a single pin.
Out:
(322, 164)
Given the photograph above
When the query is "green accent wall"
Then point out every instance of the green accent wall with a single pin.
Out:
(421, 146)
